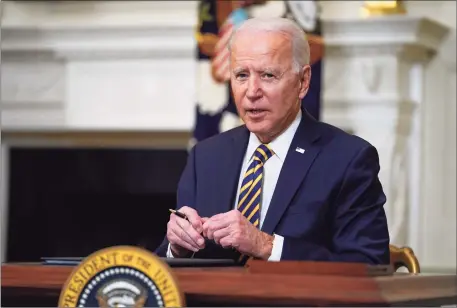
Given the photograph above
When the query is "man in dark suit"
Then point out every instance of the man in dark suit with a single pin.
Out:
(283, 186)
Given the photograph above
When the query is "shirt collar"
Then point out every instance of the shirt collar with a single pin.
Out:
(280, 145)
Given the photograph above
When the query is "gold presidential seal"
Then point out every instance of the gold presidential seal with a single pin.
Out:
(121, 276)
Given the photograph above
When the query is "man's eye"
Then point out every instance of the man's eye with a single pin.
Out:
(268, 75)
(241, 75)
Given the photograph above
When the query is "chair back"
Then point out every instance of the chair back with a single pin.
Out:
(404, 257)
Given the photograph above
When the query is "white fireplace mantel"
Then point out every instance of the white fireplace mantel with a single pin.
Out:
(98, 66)
(154, 40)
(375, 63)
(386, 30)
(381, 83)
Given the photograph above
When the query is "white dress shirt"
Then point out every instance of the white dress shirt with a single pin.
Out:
(272, 169)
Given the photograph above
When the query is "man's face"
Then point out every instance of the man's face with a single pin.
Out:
(266, 89)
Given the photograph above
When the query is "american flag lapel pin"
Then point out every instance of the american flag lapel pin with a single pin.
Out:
(300, 150)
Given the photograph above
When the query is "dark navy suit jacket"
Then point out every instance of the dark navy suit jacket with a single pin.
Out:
(327, 204)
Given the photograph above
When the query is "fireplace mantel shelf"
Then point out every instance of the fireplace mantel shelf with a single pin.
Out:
(53, 137)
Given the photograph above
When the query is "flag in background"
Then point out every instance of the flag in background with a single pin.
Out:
(215, 110)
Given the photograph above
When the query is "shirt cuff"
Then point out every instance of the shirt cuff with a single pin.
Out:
(276, 252)
(169, 254)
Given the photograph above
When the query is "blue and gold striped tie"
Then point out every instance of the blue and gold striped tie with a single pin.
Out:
(249, 200)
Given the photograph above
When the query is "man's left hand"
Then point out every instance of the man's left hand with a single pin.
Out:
(232, 229)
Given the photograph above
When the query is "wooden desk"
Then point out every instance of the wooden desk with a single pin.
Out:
(37, 285)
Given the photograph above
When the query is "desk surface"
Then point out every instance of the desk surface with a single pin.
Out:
(239, 285)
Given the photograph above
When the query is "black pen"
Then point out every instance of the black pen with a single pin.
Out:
(179, 214)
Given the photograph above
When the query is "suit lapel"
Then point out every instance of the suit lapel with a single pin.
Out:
(294, 170)
(231, 163)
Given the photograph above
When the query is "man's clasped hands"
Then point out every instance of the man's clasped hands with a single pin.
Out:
(229, 230)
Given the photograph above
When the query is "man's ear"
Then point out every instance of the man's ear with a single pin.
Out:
(305, 79)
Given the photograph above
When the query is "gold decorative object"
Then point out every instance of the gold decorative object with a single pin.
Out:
(382, 8)
(404, 257)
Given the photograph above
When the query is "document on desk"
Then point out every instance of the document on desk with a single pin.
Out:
(172, 262)
(188, 262)
(71, 261)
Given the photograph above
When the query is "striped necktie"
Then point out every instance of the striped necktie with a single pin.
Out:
(249, 199)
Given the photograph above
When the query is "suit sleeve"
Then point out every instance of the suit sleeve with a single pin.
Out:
(359, 224)
(185, 195)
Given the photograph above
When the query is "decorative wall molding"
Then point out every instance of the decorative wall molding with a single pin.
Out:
(63, 14)
(372, 75)
(100, 29)
(412, 51)
(370, 102)
(99, 43)
(412, 38)
(378, 31)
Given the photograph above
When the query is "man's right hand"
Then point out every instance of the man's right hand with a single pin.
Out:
(185, 236)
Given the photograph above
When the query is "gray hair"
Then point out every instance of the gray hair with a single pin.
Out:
(300, 46)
